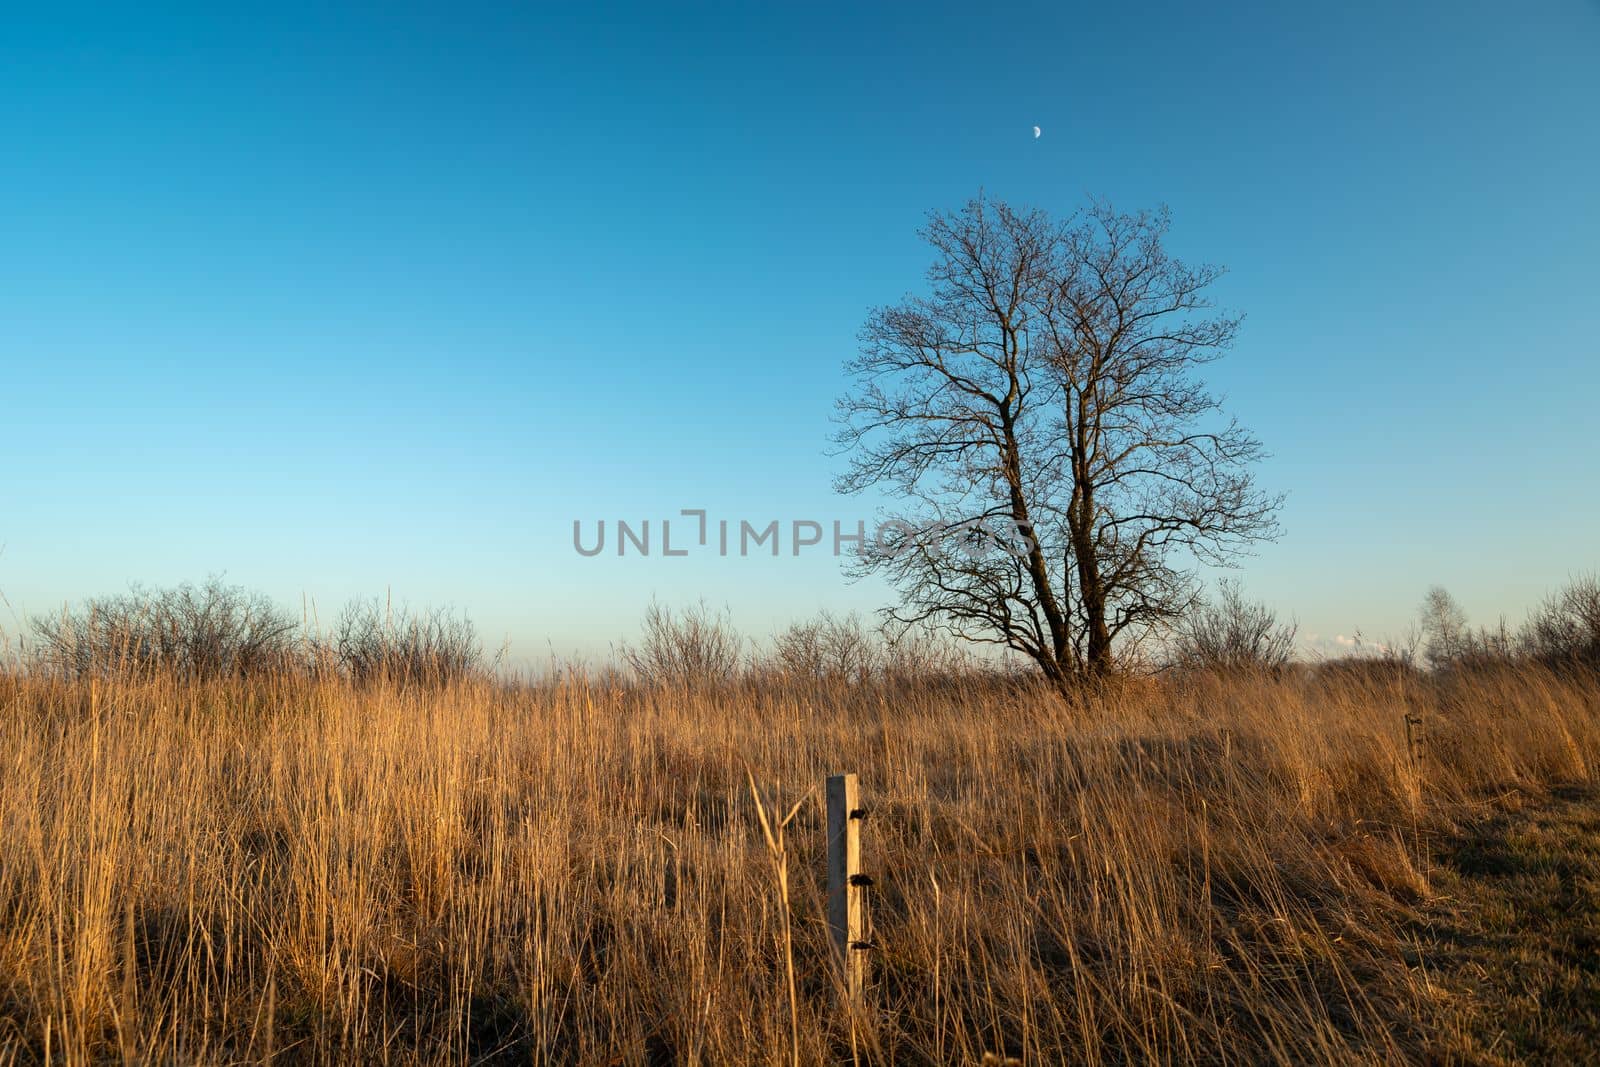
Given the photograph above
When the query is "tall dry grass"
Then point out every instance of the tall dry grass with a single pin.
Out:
(1213, 870)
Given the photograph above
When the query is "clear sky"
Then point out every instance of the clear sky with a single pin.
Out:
(339, 301)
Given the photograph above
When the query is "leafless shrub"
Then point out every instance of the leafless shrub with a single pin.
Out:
(694, 647)
(1233, 634)
(828, 647)
(922, 658)
(373, 641)
(206, 631)
(1565, 629)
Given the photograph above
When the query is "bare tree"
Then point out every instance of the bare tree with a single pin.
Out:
(1450, 642)
(1445, 630)
(1038, 413)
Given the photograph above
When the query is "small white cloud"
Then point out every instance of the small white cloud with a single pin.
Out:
(1319, 645)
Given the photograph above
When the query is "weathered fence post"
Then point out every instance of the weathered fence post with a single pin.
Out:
(847, 886)
(1415, 741)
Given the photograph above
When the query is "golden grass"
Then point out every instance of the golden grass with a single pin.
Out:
(1200, 871)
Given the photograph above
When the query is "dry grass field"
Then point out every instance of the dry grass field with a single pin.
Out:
(1249, 869)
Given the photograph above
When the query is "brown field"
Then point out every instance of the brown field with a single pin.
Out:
(1195, 870)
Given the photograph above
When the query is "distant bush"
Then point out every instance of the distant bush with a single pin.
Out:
(1232, 634)
(913, 655)
(828, 648)
(694, 647)
(1565, 630)
(206, 631)
(373, 641)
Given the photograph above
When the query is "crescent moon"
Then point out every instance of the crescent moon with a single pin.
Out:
(1036, 132)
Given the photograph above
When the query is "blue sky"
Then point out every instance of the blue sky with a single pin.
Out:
(335, 302)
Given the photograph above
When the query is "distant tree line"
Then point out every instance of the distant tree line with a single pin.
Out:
(1563, 632)
(1230, 633)
(213, 630)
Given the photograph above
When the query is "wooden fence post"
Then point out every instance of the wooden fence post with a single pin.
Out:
(847, 886)
(1415, 741)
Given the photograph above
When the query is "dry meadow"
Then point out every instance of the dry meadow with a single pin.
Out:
(1196, 869)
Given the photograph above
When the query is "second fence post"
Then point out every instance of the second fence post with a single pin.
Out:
(847, 885)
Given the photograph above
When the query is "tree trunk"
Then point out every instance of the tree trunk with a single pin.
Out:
(1091, 587)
